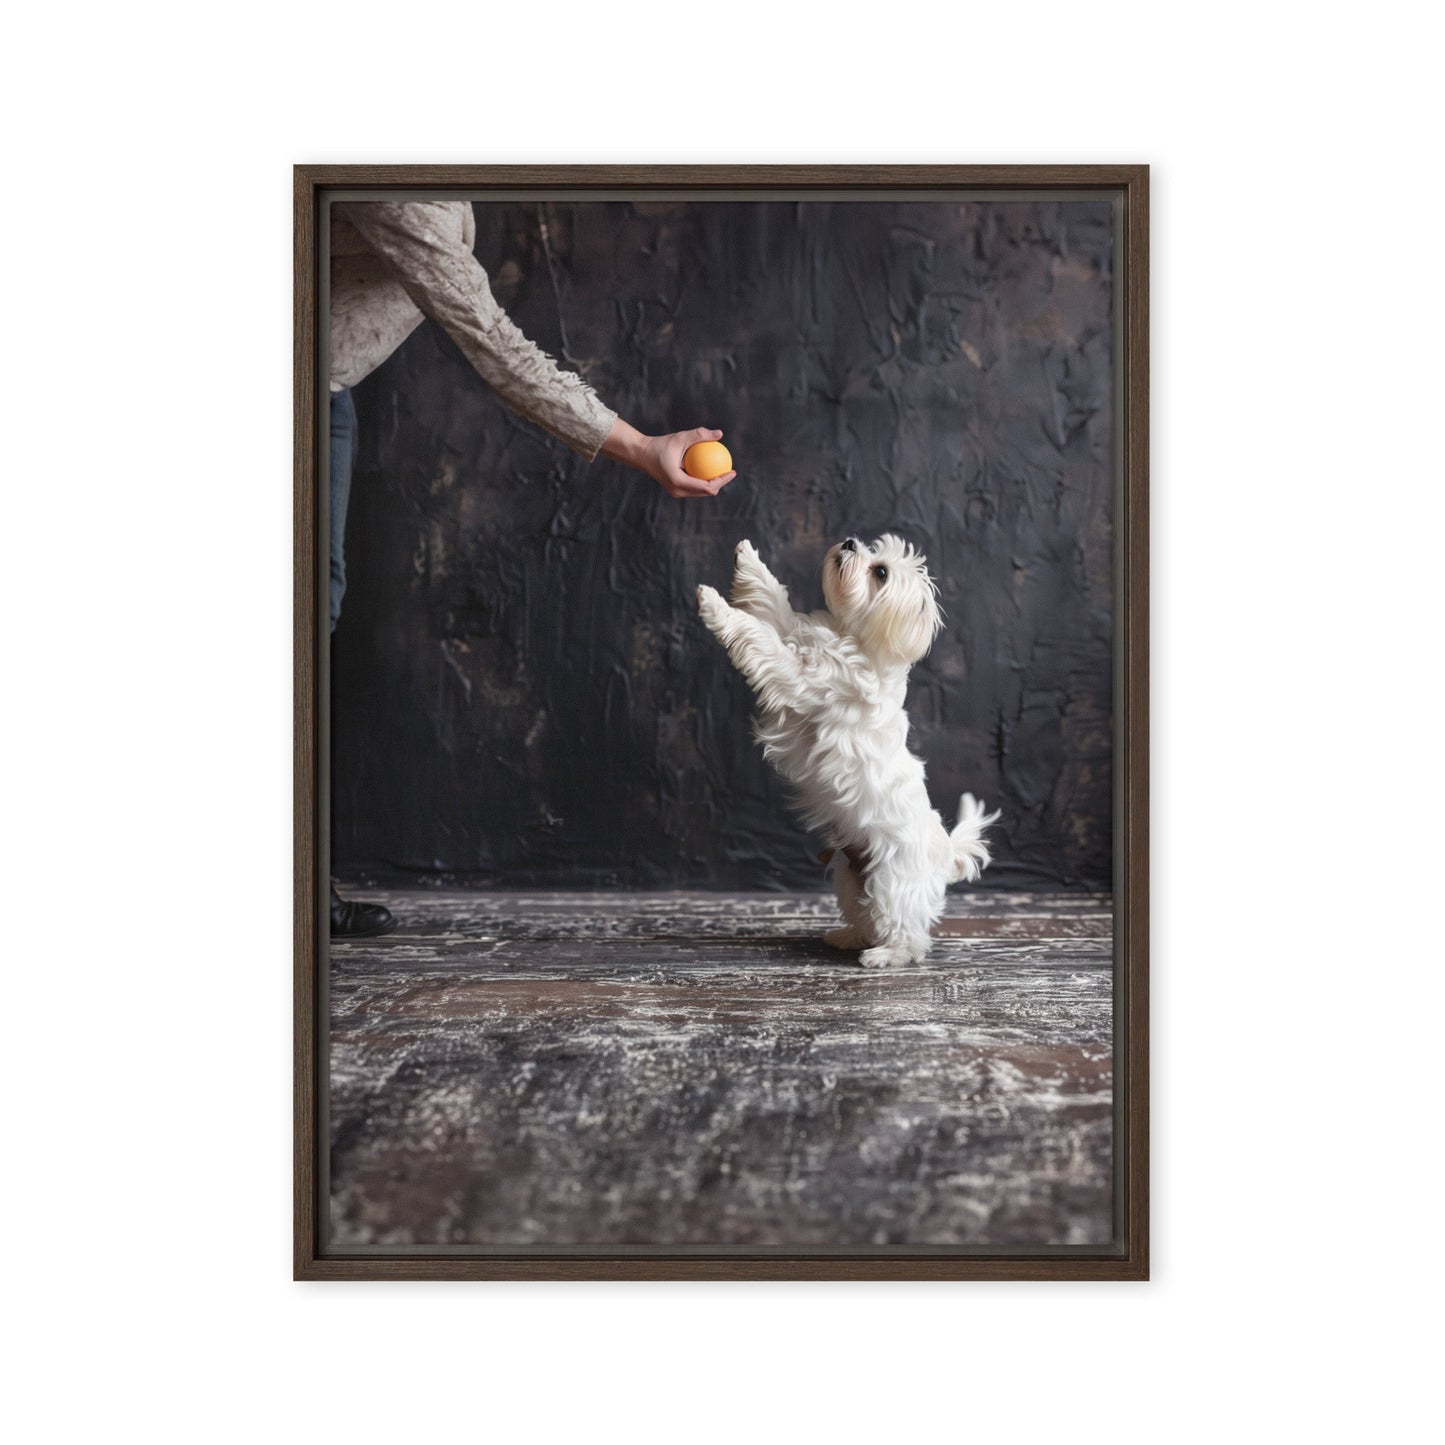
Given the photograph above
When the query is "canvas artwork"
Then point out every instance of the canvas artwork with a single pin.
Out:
(720, 599)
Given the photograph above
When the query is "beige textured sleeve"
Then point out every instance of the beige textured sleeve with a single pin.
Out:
(422, 243)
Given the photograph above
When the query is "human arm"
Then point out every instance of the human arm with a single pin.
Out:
(424, 245)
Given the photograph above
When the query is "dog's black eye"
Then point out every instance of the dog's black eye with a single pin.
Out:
(881, 573)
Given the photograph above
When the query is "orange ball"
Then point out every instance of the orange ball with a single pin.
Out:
(706, 460)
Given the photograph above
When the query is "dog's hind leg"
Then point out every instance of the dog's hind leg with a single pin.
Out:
(758, 593)
(855, 932)
(902, 906)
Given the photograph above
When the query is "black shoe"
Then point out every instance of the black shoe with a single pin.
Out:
(359, 920)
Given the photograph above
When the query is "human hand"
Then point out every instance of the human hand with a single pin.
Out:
(661, 458)
(666, 468)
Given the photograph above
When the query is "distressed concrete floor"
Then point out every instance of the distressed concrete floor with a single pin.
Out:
(549, 1069)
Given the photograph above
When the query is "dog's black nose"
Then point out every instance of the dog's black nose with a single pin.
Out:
(851, 544)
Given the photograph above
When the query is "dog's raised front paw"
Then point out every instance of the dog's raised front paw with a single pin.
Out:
(710, 605)
(745, 551)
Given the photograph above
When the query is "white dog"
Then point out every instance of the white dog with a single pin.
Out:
(830, 687)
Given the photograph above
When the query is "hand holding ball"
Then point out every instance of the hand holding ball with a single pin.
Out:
(707, 460)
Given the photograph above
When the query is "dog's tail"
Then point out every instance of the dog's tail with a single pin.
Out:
(970, 852)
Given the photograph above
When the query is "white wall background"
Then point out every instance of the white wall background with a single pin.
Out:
(1297, 477)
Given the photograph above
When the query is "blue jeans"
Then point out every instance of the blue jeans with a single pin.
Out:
(343, 453)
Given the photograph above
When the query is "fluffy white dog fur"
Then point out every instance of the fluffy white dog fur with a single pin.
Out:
(830, 688)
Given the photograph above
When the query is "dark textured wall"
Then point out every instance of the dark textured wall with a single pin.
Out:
(521, 687)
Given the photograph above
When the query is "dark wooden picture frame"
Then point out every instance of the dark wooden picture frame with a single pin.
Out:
(1128, 1257)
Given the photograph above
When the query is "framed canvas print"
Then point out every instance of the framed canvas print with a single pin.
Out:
(721, 722)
